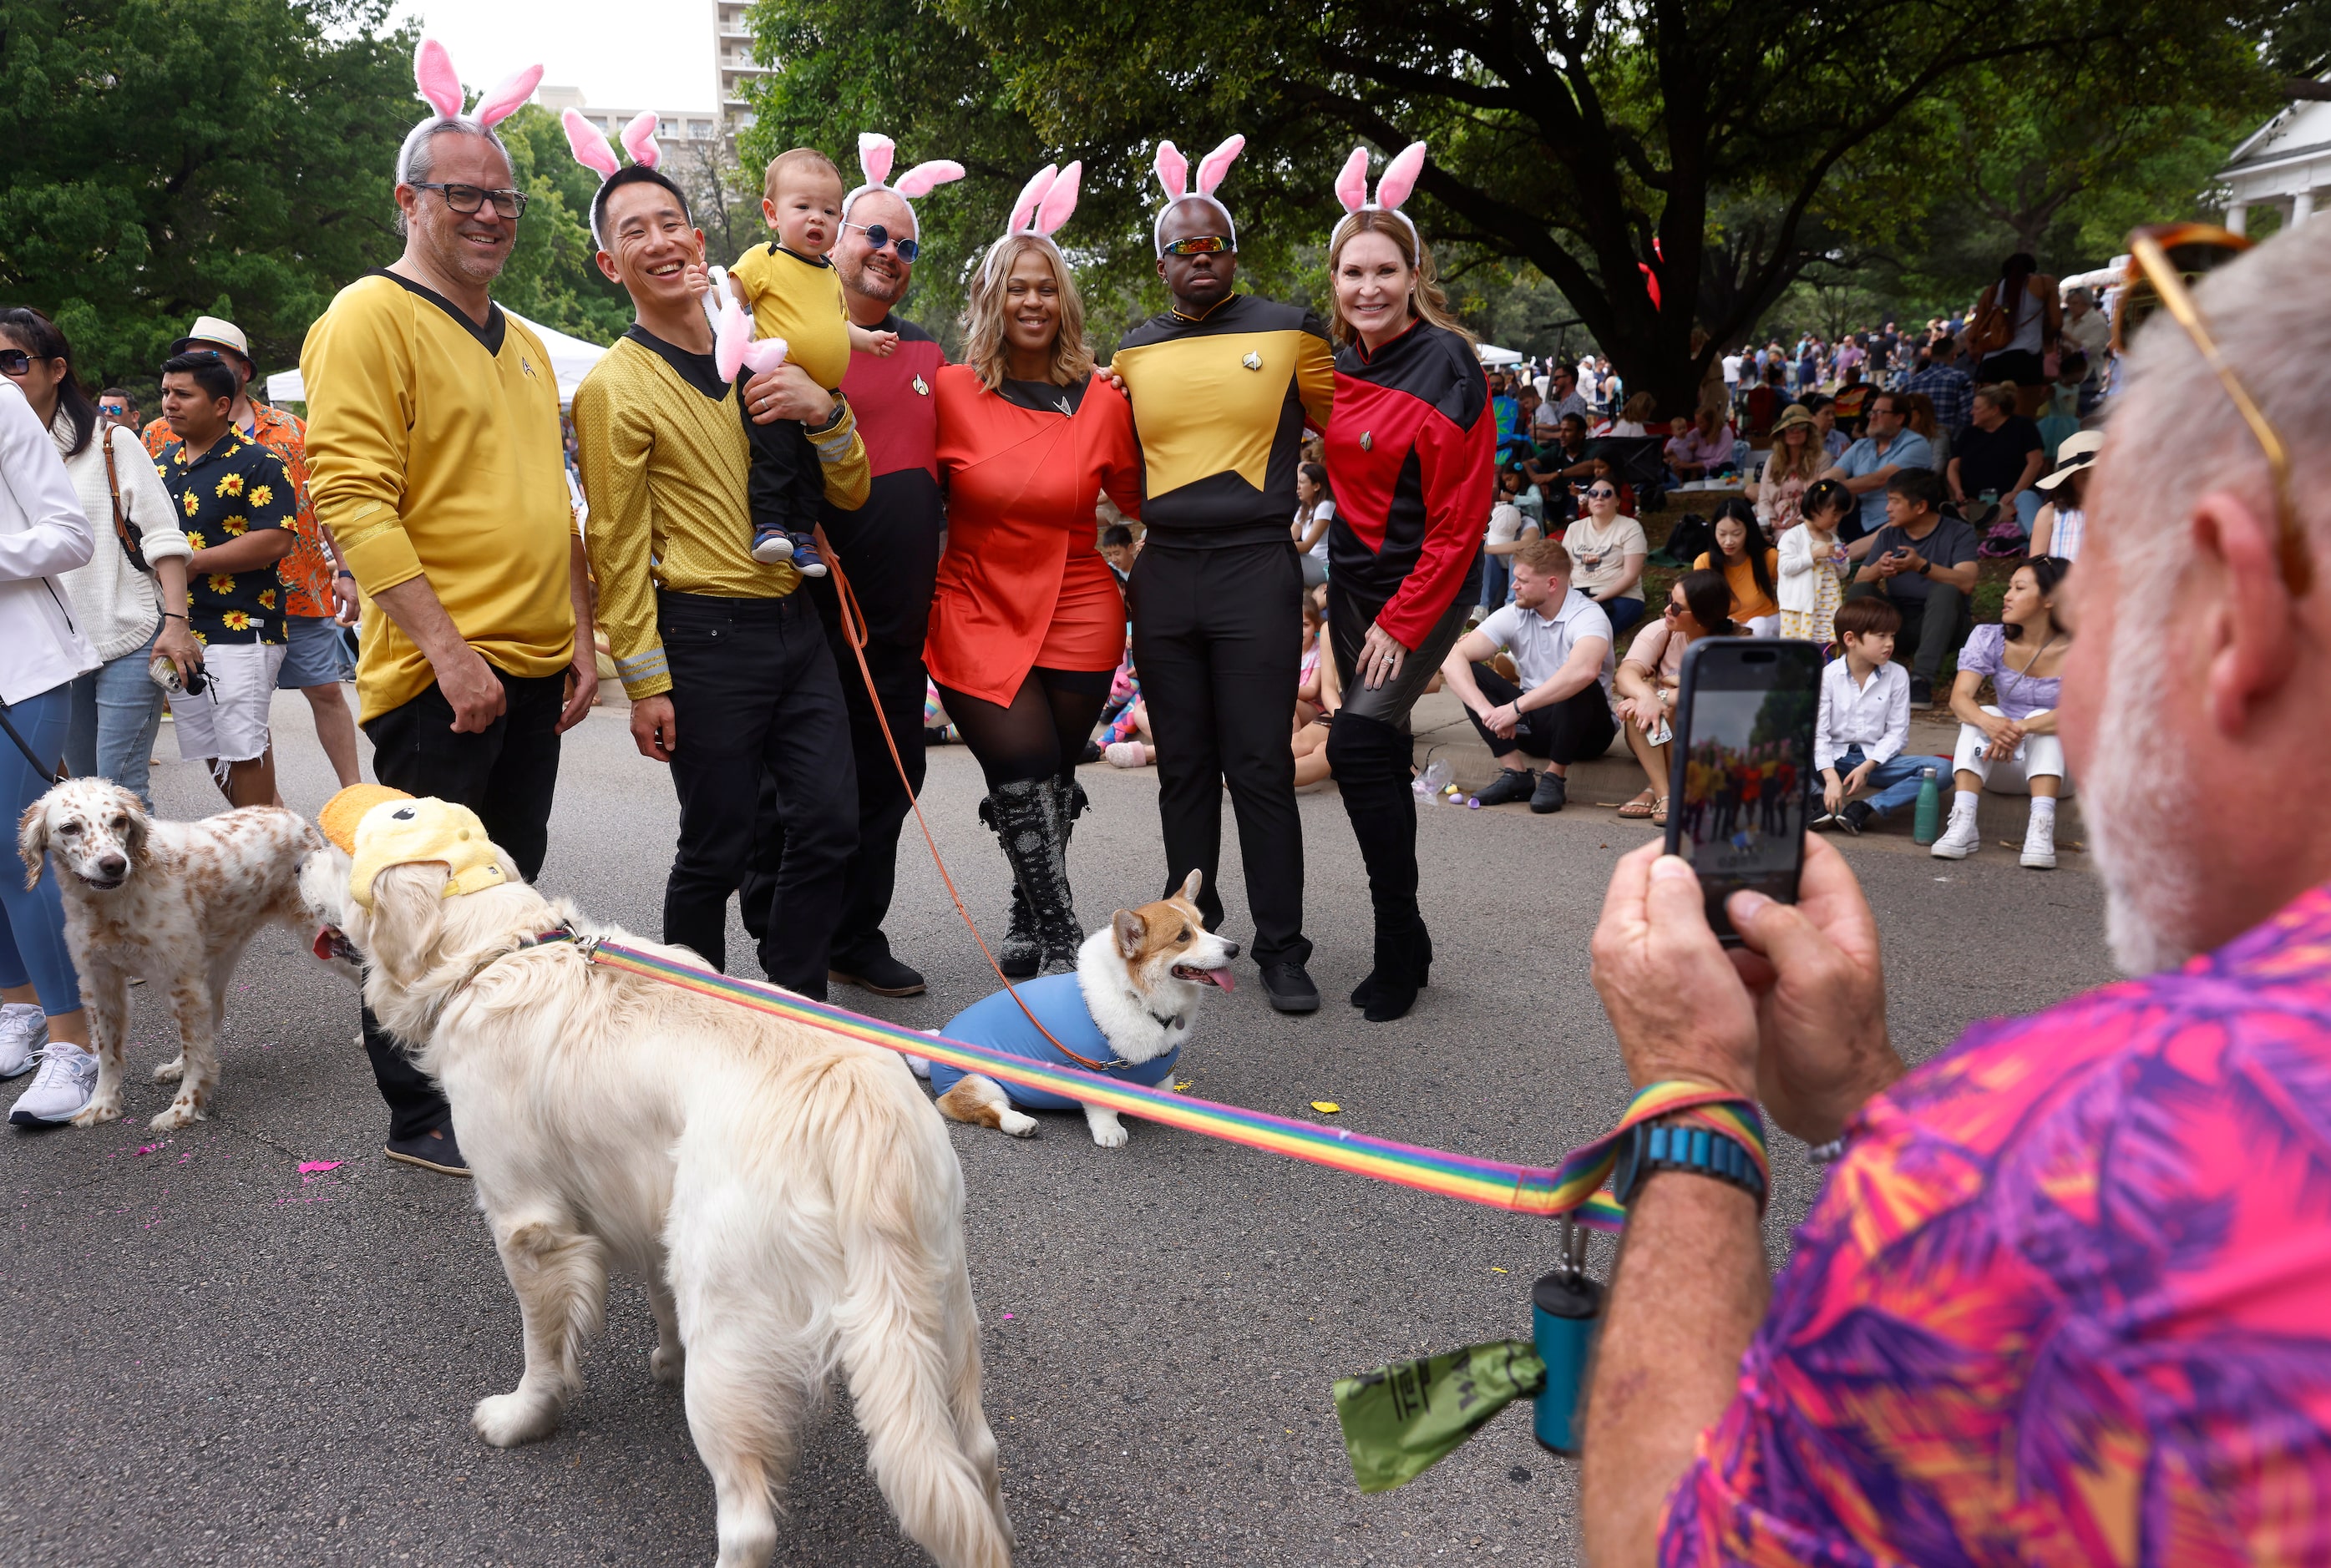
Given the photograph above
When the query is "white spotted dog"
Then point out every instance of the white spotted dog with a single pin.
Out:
(1130, 1006)
(174, 904)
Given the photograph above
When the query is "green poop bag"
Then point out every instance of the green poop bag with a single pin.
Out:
(1401, 1419)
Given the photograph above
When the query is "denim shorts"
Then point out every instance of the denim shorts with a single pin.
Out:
(318, 653)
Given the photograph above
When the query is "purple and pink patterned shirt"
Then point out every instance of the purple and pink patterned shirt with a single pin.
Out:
(2066, 1301)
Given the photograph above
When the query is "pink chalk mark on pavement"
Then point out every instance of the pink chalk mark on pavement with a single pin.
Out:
(308, 1167)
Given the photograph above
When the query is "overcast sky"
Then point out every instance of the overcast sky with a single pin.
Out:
(610, 51)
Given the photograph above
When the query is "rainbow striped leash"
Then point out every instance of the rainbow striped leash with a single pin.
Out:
(1572, 1188)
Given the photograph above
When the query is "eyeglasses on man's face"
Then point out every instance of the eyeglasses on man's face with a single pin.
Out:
(877, 236)
(1199, 245)
(468, 199)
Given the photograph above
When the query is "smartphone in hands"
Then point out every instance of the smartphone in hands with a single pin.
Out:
(1742, 767)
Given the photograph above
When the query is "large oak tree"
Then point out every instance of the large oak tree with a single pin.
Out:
(1668, 163)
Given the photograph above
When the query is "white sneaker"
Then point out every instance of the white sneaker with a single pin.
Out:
(1126, 753)
(1961, 839)
(23, 1030)
(2040, 845)
(67, 1082)
(769, 549)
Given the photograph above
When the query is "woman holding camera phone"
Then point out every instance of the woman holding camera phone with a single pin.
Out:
(130, 613)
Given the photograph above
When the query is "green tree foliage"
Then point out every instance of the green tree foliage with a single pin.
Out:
(1587, 139)
(168, 157)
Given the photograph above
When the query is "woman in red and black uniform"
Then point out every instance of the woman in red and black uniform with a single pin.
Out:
(1412, 448)
(1027, 623)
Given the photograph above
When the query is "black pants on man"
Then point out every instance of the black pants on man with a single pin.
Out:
(507, 774)
(871, 873)
(1578, 727)
(753, 691)
(1217, 639)
(1940, 625)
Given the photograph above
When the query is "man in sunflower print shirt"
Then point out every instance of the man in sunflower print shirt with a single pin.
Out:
(236, 504)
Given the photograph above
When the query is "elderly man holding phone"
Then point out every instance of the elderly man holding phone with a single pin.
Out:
(2064, 1298)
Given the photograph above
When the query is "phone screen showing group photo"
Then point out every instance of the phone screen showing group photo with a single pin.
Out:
(1744, 766)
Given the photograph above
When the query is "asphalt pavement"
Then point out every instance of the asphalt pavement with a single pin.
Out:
(221, 1358)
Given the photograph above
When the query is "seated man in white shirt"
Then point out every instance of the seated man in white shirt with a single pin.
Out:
(1865, 721)
(1561, 643)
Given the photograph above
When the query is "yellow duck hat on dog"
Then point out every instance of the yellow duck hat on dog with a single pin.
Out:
(380, 827)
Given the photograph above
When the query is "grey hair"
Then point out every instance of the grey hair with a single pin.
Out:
(2175, 434)
(416, 160)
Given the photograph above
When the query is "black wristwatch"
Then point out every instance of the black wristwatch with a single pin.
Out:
(1658, 1146)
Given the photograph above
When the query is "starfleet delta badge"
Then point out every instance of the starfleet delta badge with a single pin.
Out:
(526, 364)
(1253, 361)
(922, 388)
(1367, 442)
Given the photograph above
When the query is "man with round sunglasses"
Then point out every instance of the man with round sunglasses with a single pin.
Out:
(889, 547)
(1223, 385)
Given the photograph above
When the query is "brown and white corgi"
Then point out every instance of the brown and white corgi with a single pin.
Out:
(1130, 1004)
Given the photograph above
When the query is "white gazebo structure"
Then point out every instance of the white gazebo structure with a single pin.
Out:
(2282, 164)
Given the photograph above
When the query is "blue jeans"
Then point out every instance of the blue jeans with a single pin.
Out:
(1497, 581)
(33, 919)
(117, 712)
(1894, 782)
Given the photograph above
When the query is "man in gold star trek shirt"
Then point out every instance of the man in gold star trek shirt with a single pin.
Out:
(1222, 387)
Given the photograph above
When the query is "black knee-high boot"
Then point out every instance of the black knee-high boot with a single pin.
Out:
(1021, 952)
(1029, 817)
(1370, 760)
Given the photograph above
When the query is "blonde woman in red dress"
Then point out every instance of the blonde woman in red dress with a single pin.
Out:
(1027, 623)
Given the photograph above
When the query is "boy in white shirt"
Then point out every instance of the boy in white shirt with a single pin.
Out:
(1865, 721)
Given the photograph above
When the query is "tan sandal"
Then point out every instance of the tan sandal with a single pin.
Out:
(1660, 812)
(1639, 808)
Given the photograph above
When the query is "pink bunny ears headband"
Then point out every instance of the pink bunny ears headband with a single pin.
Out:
(1173, 173)
(875, 152)
(1044, 204)
(440, 85)
(1399, 179)
(589, 146)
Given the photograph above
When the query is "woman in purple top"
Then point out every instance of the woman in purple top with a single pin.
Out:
(2012, 747)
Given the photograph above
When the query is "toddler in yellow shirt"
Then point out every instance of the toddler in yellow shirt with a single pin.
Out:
(794, 292)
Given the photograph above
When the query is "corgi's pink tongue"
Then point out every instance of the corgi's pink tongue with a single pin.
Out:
(1221, 977)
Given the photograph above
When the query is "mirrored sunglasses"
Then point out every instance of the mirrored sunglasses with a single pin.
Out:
(877, 236)
(1198, 245)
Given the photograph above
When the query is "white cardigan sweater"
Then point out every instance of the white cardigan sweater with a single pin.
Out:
(116, 603)
(41, 534)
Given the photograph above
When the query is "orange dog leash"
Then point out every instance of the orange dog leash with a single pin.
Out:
(853, 628)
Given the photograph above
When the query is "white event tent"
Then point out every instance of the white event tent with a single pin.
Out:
(1493, 355)
(571, 359)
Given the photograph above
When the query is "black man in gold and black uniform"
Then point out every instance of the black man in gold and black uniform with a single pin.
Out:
(1222, 387)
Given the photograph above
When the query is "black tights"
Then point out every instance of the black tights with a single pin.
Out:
(1042, 732)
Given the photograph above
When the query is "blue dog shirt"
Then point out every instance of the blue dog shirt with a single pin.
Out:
(996, 1022)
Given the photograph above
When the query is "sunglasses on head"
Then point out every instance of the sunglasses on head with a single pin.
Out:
(877, 236)
(1198, 245)
(2162, 259)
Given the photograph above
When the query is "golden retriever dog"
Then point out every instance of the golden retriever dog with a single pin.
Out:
(174, 904)
(789, 1194)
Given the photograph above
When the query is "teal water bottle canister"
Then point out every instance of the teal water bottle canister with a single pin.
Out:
(1926, 821)
(1566, 1309)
